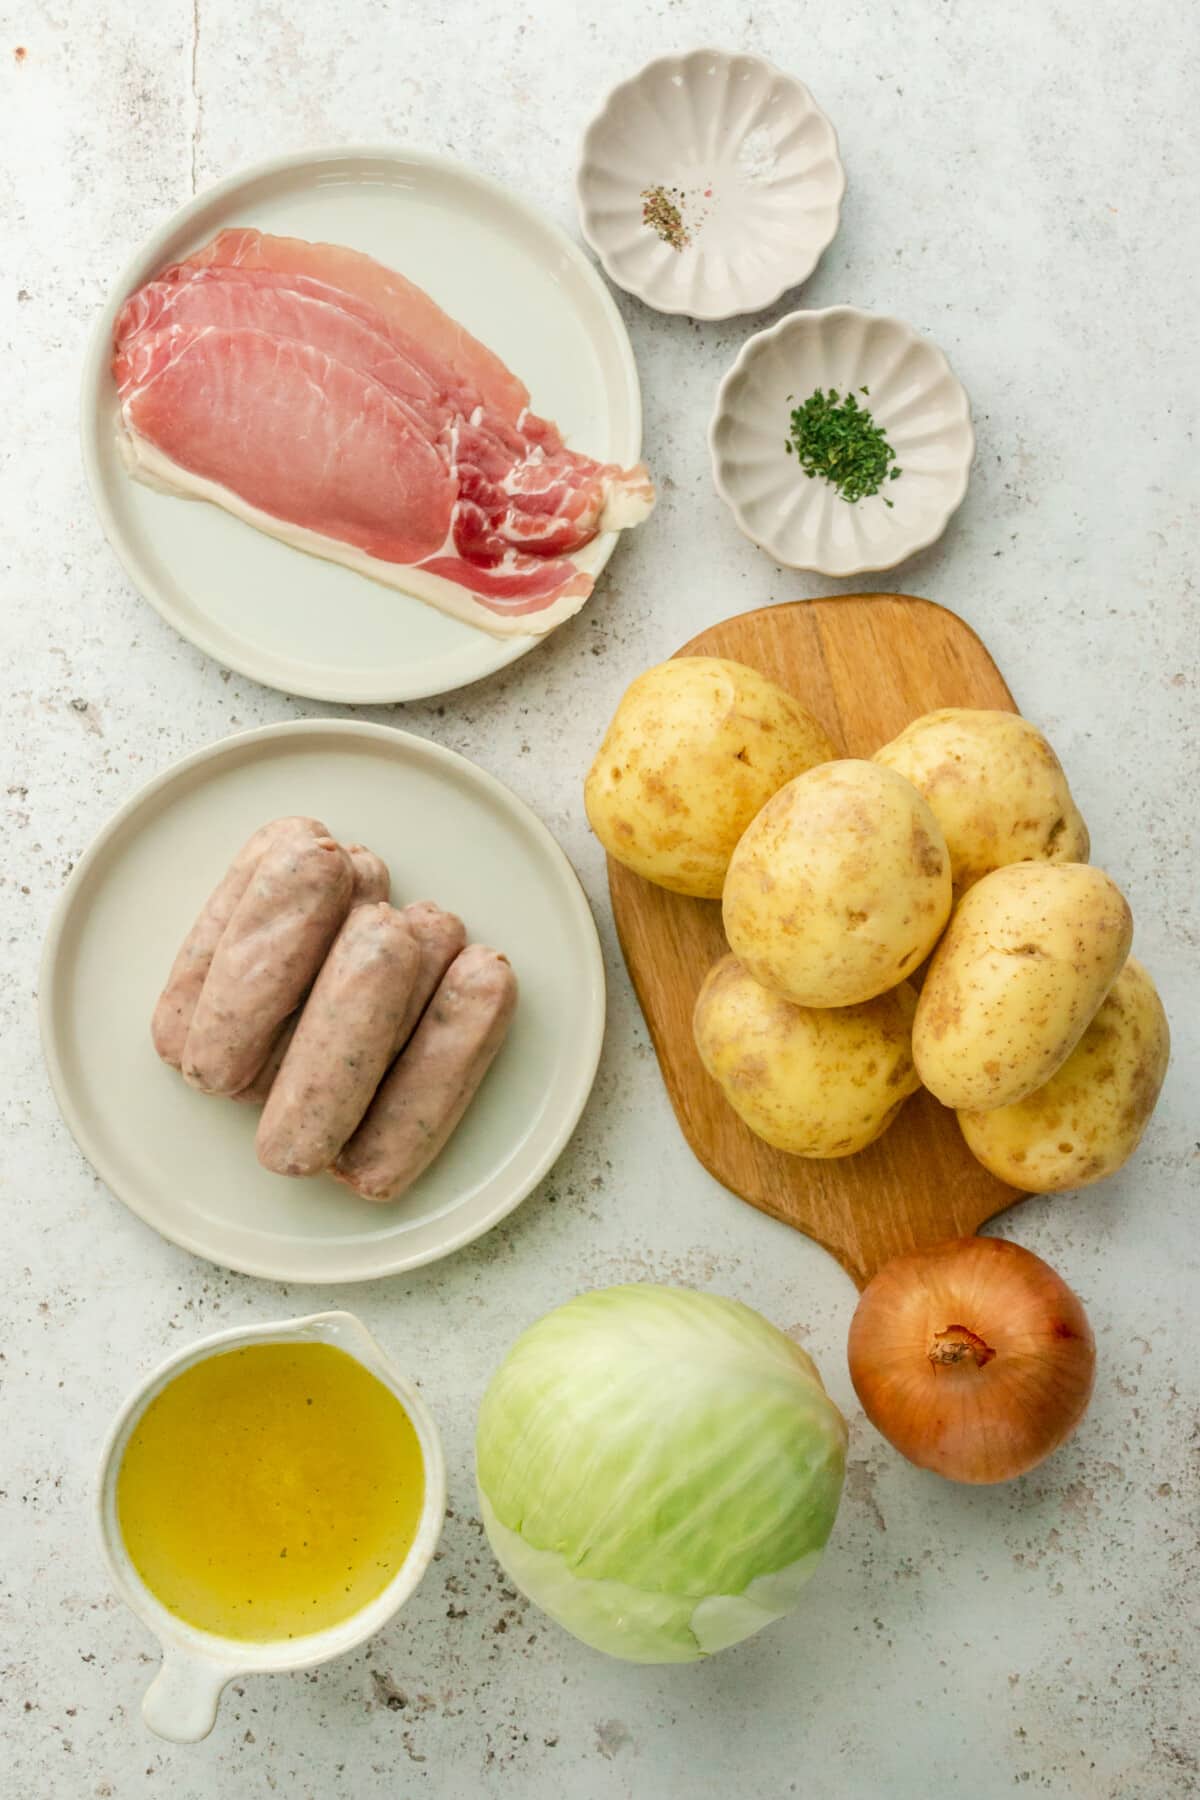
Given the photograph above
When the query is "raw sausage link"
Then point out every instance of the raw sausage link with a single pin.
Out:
(371, 882)
(433, 1082)
(177, 1002)
(266, 960)
(340, 1050)
(255, 1092)
(440, 936)
(371, 878)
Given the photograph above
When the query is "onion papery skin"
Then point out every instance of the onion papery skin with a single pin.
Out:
(973, 1358)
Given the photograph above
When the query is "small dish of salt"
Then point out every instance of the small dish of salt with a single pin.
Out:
(709, 184)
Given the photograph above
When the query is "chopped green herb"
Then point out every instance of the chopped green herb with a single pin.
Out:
(838, 440)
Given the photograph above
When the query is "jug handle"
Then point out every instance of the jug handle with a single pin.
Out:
(181, 1702)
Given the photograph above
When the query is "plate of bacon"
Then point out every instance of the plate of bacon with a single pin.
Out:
(362, 425)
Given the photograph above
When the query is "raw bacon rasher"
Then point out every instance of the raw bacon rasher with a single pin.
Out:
(328, 401)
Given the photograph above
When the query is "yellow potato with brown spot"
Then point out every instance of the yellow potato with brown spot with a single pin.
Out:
(820, 1083)
(1089, 1117)
(994, 786)
(695, 748)
(840, 887)
(1029, 955)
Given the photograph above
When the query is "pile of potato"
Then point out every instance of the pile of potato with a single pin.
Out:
(957, 842)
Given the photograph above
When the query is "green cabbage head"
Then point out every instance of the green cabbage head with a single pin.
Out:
(658, 1470)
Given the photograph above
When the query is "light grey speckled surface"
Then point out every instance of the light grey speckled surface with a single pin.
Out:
(1021, 178)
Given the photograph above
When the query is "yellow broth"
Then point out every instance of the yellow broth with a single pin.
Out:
(271, 1491)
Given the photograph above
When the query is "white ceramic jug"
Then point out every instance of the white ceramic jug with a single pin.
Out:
(181, 1701)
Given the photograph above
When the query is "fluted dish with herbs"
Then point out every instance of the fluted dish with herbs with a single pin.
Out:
(841, 441)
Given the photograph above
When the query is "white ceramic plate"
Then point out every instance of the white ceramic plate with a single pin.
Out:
(914, 395)
(294, 621)
(184, 1162)
(746, 156)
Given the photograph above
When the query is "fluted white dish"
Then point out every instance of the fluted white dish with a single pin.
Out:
(915, 397)
(756, 161)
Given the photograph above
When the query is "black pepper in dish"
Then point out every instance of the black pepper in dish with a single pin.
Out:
(661, 211)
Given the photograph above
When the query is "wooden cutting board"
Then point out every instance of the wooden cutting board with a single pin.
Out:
(865, 665)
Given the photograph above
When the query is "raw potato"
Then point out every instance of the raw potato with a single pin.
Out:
(994, 786)
(1089, 1117)
(1019, 976)
(840, 887)
(813, 1083)
(695, 748)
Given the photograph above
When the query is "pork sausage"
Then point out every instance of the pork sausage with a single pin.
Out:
(371, 882)
(440, 936)
(255, 1092)
(266, 959)
(371, 878)
(347, 1035)
(177, 1002)
(433, 1081)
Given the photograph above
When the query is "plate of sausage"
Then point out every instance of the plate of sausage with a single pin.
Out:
(322, 1002)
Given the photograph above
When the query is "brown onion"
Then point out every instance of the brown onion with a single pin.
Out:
(973, 1358)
